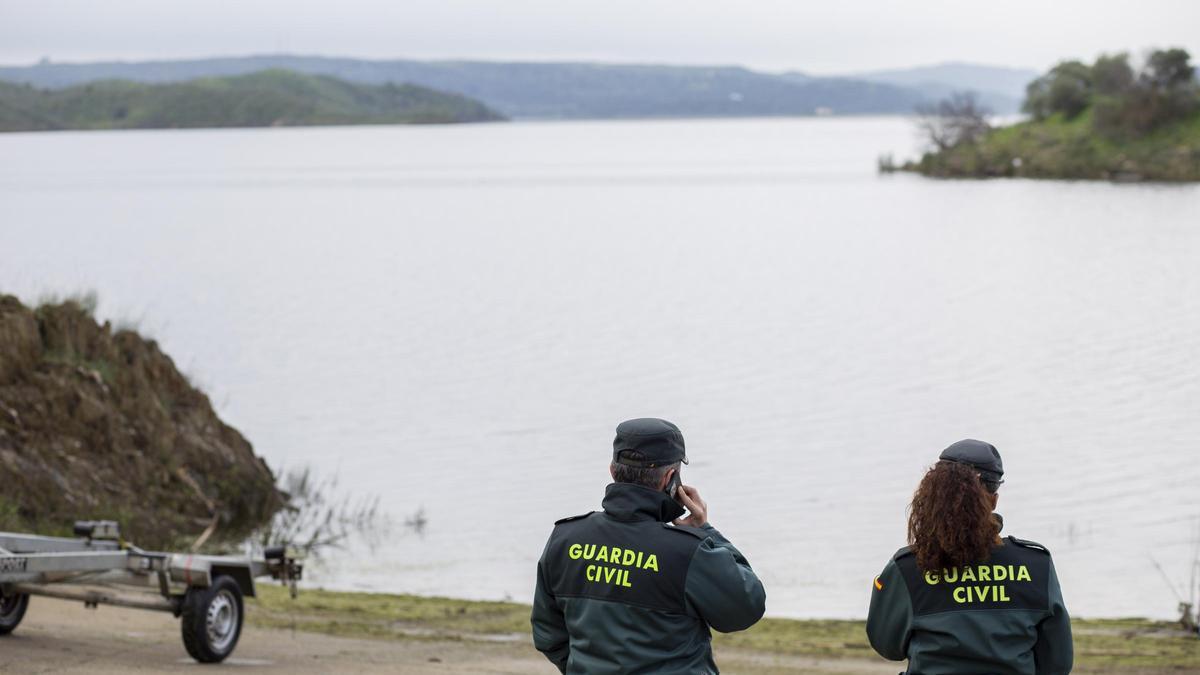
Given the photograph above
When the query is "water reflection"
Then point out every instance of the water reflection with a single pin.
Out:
(454, 320)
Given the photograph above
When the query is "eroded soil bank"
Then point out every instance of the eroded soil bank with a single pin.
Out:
(99, 423)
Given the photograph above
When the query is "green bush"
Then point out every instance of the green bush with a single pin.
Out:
(1066, 89)
(1125, 103)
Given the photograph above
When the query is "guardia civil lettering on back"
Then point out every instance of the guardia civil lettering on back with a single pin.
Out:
(961, 600)
(637, 586)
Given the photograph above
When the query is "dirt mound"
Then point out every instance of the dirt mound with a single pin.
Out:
(100, 424)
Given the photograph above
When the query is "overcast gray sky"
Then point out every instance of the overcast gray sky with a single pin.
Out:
(819, 37)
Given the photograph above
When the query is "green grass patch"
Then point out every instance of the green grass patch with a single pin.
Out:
(810, 637)
(11, 520)
(105, 369)
(10, 517)
(1099, 643)
(1134, 642)
(343, 613)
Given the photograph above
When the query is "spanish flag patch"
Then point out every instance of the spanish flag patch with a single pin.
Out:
(878, 586)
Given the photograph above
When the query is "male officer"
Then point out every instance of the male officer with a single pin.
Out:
(635, 588)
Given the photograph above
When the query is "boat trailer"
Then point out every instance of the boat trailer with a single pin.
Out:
(205, 592)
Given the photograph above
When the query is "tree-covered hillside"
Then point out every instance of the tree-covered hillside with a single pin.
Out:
(1104, 121)
(268, 98)
(527, 90)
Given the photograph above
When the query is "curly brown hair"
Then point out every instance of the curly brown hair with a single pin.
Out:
(950, 521)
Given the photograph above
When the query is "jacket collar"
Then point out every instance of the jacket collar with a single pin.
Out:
(625, 501)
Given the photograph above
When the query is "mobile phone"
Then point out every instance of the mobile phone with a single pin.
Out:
(673, 485)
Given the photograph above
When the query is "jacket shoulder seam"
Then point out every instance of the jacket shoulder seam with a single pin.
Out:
(568, 519)
(1032, 545)
(694, 531)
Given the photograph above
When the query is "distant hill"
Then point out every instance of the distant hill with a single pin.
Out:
(546, 90)
(267, 98)
(999, 88)
(1002, 80)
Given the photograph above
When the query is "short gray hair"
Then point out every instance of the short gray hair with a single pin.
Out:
(650, 477)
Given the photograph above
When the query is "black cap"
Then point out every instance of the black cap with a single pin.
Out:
(982, 456)
(648, 442)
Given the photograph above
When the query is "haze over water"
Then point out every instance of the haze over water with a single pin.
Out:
(455, 318)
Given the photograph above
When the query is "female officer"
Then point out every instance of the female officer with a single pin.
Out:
(960, 599)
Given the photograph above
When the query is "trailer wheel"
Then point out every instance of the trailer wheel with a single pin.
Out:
(211, 620)
(12, 610)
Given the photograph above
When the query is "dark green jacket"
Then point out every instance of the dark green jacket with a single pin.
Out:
(624, 591)
(1002, 616)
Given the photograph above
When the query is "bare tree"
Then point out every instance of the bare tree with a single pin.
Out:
(953, 121)
(317, 518)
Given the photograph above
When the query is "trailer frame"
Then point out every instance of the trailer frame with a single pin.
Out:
(97, 568)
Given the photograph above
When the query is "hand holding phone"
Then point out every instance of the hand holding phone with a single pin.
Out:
(689, 497)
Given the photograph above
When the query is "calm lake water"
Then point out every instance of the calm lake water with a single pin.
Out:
(455, 318)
